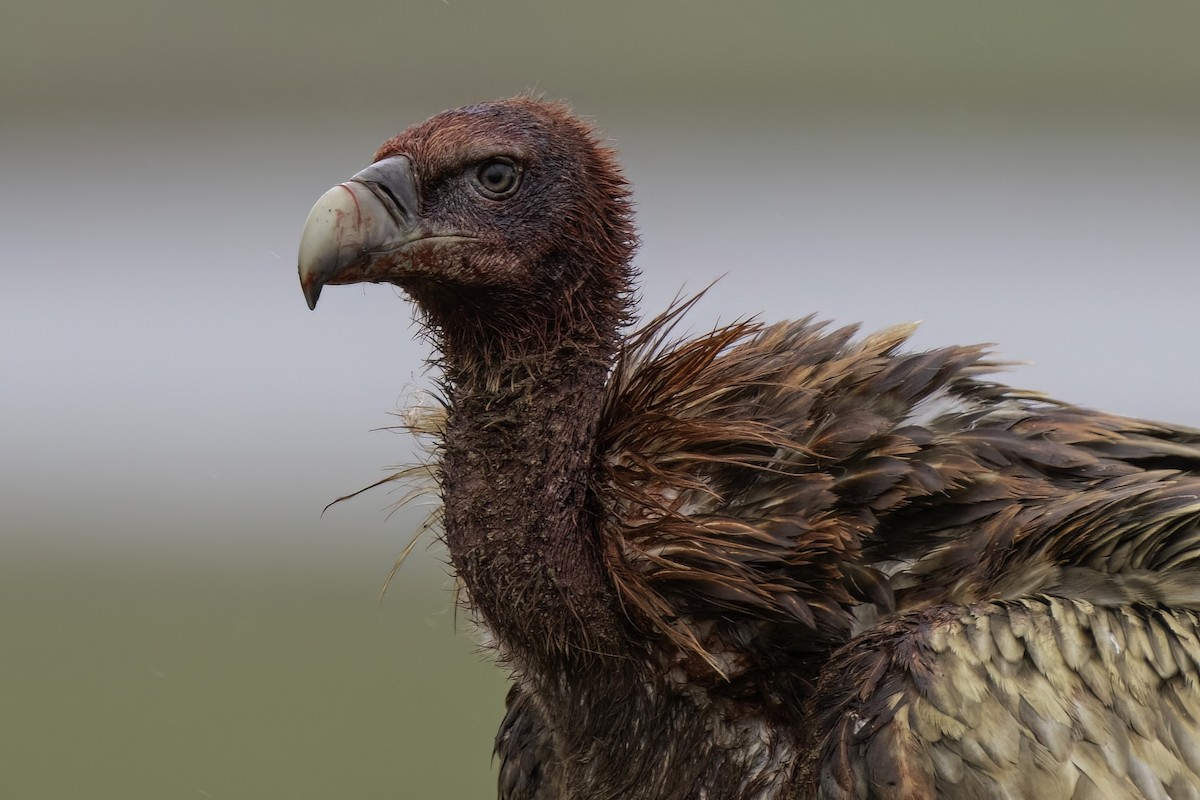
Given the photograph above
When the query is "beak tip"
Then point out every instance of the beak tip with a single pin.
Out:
(312, 291)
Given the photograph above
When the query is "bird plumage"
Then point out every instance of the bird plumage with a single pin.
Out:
(776, 561)
(1042, 696)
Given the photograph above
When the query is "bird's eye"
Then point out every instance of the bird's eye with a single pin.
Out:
(497, 178)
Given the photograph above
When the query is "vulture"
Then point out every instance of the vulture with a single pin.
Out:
(774, 560)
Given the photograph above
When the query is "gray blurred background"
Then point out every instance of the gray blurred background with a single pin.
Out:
(178, 620)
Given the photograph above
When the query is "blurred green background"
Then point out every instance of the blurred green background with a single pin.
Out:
(178, 620)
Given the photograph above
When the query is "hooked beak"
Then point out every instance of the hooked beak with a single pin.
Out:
(353, 228)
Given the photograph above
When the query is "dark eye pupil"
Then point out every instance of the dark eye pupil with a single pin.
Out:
(498, 176)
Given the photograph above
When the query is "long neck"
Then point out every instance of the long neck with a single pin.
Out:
(518, 456)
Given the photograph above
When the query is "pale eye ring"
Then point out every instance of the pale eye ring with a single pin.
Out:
(497, 178)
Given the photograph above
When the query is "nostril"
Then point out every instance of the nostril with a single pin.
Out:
(395, 200)
(396, 208)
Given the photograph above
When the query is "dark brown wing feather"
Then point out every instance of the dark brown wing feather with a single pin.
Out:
(739, 473)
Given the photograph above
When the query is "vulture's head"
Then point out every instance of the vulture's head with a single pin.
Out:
(503, 214)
